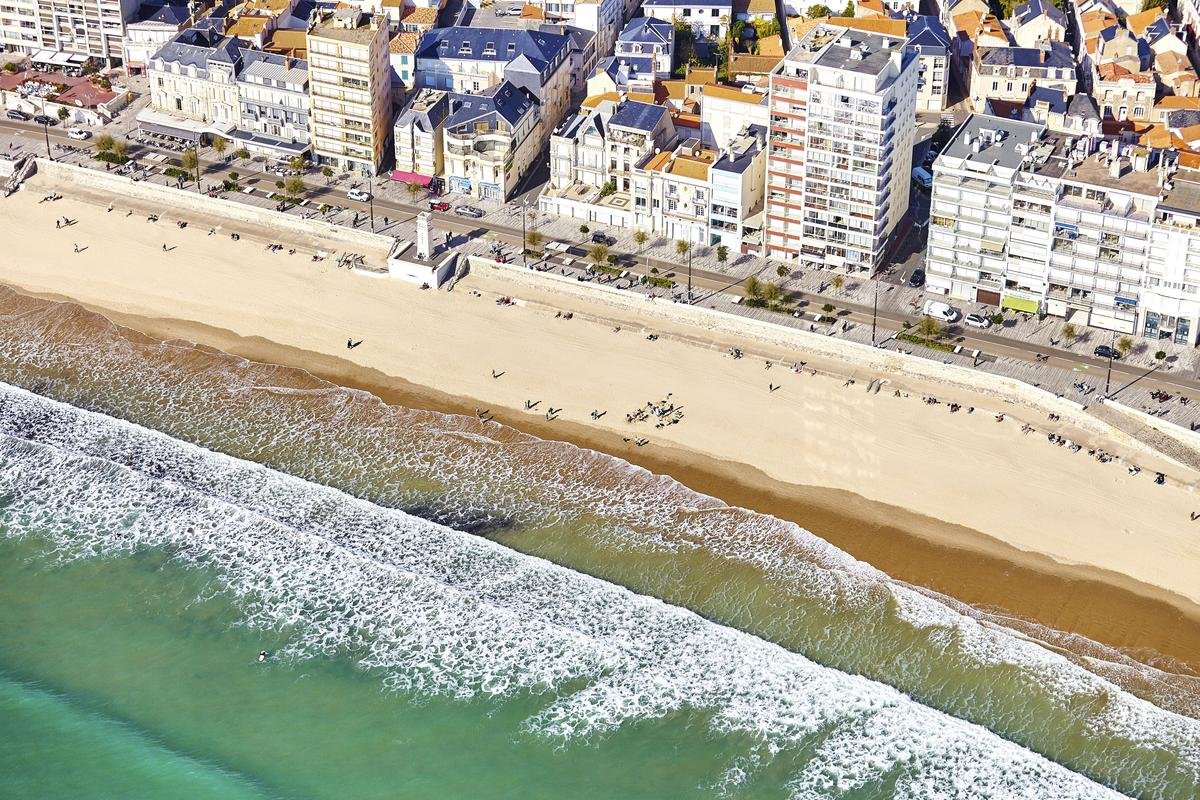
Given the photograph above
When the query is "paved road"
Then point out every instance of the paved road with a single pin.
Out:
(703, 281)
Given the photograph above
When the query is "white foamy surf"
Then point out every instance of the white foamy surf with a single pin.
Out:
(436, 611)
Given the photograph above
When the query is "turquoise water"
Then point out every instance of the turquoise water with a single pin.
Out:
(455, 609)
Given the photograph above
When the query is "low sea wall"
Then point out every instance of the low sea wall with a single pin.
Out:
(859, 358)
(317, 233)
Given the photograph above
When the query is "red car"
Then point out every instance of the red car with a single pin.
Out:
(439, 205)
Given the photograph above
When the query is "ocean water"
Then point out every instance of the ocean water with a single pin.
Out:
(457, 609)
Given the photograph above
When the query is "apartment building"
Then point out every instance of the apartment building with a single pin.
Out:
(840, 150)
(927, 37)
(603, 18)
(725, 111)
(1008, 73)
(672, 192)
(349, 83)
(418, 136)
(1040, 222)
(66, 32)
(490, 141)
(150, 30)
(708, 19)
(273, 105)
(470, 60)
(738, 179)
(1037, 21)
(193, 79)
(648, 37)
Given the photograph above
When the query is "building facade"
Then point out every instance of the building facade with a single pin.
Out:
(490, 141)
(349, 83)
(840, 157)
(1044, 223)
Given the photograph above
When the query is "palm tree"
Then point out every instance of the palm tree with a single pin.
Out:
(413, 188)
(1070, 334)
(241, 153)
(929, 327)
(219, 145)
(640, 237)
(1124, 344)
(722, 254)
(297, 162)
(838, 282)
(534, 239)
(327, 171)
(753, 288)
(584, 230)
(682, 247)
(598, 253)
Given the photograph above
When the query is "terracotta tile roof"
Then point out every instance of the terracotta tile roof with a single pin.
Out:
(1191, 135)
(247, 26)
(1174, 102)
(687, 120)
(1140, 21)
(888, 27)
(746, 64)
(596, 99)
(799, 26)
(873, 6)
(753, 7)
(404, 42)
(420, 16)
(731, 93)
(674, 89)
(532, 12)
(655, 164)
(770, 46)
(1111, 71)
(700, 75)
(287, 42)
(1096, 21)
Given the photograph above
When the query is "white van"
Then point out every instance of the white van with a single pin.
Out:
(922, 176)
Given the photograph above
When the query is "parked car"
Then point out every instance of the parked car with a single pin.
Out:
(940, 310)
(1104, 351)
(600, 237)
(977, 321)
(513, 11)
(439, 205)
(469, 211)
(917, 279)
(42, 119)
(78, 133)
(359, 195)
(17, 115)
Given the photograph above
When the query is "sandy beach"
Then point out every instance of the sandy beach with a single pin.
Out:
(958, 502)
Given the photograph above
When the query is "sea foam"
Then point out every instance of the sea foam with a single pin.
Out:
(436, 611)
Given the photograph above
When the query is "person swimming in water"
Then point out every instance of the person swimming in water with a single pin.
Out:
(262, 656)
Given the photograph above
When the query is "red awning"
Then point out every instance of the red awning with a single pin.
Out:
(411, 177)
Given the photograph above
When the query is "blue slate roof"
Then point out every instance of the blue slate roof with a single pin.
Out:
(166, 13)
(1183, 118)
(682, 4)
(638, 116)
(196, 47)
(623, 68)
(1082, 105)
(1055, 99)
(648, 30)
(1028, 12)
(1157, 30)
(927, 33)
(502, 102)
(1057, 56)
(454, 43)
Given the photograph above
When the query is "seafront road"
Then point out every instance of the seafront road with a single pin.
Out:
(704, 282)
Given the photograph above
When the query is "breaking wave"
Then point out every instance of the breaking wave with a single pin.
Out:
(436, 611)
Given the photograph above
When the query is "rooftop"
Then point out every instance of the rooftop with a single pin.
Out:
(1185, 194)
(847, 49)
(743, 150)
(1057, 56)
(985, 139)
(493, 44)
(638, 116)
(1096, 170)
(346, 25)
(404, 42)
(734, 93)
(648, 30)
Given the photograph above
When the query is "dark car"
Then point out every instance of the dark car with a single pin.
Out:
(439, 205)
(917, 279)
(42, 119)
(603, 238)
(1104, 351)
(19, 115)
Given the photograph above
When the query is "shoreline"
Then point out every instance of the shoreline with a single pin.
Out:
(955, 503)
(949, 559)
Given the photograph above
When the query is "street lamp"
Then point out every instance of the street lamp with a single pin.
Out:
(874, 312)
(1108, 377)
(524, 246)
(46, 130)
(371, 203)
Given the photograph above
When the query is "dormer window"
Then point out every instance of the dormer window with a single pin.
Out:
(512, 47)
(464, 48)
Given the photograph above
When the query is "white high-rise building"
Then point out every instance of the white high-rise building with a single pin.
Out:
(66, 32)
(1026, 219)
(842, 111)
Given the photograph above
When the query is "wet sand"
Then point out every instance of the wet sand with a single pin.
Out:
(1129, 609)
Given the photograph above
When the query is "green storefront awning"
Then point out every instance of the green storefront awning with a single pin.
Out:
(1019, 304)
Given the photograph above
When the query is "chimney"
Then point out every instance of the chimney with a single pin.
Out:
(1114, 170)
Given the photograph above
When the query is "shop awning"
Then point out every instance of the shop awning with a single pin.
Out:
(411, 177)
(1019, 304)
